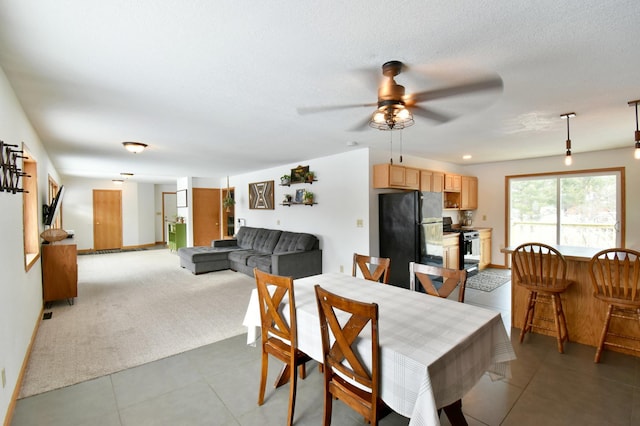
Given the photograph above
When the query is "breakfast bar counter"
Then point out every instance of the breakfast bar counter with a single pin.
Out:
(584, 313)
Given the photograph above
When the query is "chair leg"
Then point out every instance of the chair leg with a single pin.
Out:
(557, 310)
(603, 336)
(263, 377)
(528, 316)
(328, 406)
(292, 394)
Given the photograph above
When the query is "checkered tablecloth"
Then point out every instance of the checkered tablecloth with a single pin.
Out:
(433, 350)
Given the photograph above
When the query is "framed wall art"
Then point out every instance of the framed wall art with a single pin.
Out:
(181, 198)
(261, 195)
(299, 174)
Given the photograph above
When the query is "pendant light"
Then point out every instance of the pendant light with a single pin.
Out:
(567, 159)
(636, 154)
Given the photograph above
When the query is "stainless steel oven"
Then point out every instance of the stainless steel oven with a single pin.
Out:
(470, 251)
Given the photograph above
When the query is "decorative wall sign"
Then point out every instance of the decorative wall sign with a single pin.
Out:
(10, 173)
(261, 195)
(181, 198)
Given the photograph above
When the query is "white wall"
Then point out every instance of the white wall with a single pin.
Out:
(138, 201)
(492, 188)
(342, 194)
(20, 291)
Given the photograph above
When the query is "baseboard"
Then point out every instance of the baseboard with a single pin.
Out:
(492, 266)
(23, 370)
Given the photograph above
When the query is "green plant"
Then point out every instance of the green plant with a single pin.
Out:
(228, 201)
(308, 197)
(285, 178)
(309, 176)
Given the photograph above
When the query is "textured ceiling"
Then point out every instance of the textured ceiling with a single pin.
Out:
(214, 86)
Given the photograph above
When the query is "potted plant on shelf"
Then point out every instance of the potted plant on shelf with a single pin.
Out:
(285, 179)
(308, 197)
(287, 199)
(310, 176)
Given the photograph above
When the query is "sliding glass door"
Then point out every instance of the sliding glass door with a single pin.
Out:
(575, 209)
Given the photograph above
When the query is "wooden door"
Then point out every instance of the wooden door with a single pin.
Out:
(107, 219)
(206, 215)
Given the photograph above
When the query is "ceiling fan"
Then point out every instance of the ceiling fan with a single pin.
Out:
(395, 109)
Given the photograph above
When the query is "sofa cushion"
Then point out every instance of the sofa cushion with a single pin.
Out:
(294, 241)
(262, 262)
(266, 240)
(246, 236)
(241, 256)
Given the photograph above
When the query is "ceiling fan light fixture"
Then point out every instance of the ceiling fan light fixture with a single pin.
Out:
(636, 153)
(567, 159)
(134, 147)
(391, 117)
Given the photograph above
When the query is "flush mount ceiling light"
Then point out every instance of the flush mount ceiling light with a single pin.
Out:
(126, 175)
(134, 147)
(117, 181)
(567, 159)
(636, 154)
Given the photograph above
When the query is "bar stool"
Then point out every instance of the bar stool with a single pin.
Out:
(615, 275)
(542, 270)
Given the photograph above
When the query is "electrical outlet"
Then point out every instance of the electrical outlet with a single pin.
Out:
(484, 217)
(359, 223)
(341, 268)
(4, 378)
(278, 222)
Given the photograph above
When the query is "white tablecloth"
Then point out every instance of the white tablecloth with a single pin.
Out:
(433, 350)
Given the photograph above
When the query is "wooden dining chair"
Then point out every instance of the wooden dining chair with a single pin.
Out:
(367, 263)
(341, 322)
(279, 336)
(542, 270)
(615, 275)
(451, 279)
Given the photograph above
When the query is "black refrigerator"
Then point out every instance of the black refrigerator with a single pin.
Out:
(410, 230)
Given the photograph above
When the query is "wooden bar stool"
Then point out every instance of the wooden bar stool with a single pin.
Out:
(615, 275)
(542, 270)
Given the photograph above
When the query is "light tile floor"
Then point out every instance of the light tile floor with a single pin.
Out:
(217, 385)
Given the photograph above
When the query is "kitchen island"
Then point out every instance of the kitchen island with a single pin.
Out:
(584, 313)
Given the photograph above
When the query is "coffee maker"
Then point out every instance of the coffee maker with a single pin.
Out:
(467, 218)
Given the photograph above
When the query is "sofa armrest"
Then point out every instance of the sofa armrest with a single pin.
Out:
(297, 264)
(224, 243)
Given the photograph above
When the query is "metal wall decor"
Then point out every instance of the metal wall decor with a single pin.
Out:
(10, 172)
(261, 195)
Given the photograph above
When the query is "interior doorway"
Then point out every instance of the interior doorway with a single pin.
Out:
(169, 212)
(206, 216)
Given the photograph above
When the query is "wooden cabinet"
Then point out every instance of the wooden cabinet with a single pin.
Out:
(452, 182)
(485, 248)
(394, 176)
(177, 236)
(431, 181)
(451, 251)
(469, 193)
(59, 272)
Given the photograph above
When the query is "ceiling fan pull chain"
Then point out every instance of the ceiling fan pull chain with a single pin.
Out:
(391, 147)
(401, 145)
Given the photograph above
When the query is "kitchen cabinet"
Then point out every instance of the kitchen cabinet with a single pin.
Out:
(59, 272)
(451, 251)
(394, 176)
(485, 248)
(431, 181)
(468, 193)
(452, 182)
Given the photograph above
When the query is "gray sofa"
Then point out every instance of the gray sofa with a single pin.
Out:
(294, 254)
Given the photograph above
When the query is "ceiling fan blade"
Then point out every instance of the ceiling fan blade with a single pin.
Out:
(473, 86)
(362, 125)
(430, 114)
(314, 110)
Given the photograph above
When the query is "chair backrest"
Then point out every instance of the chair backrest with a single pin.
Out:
(341, 356)
(365, 264)
(615, 275)
(451, 278)
(273, 291)
(539, 265)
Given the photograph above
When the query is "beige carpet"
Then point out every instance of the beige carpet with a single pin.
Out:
(133, 308)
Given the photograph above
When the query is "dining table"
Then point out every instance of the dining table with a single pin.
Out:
(432, 350)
